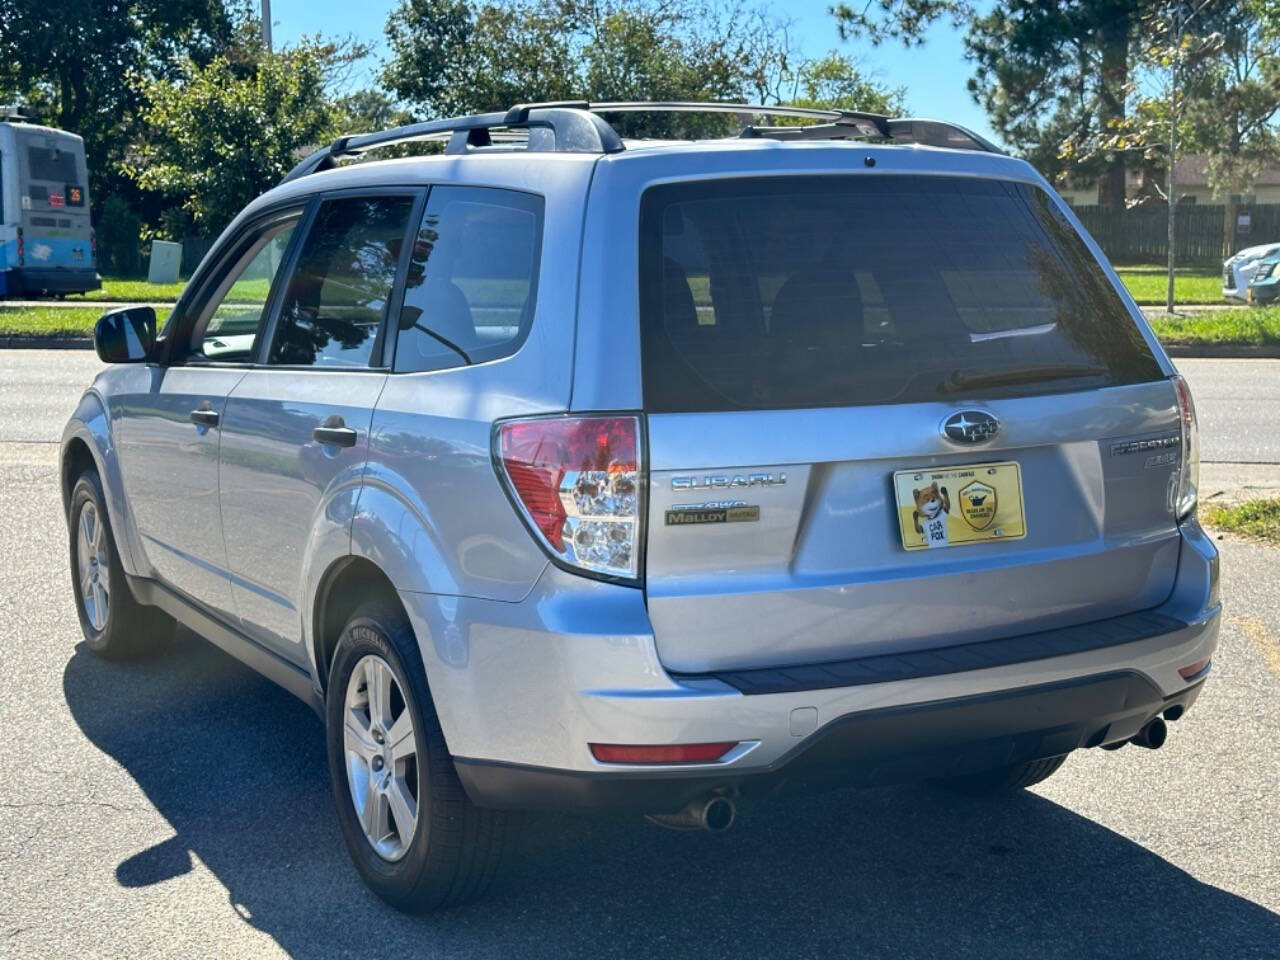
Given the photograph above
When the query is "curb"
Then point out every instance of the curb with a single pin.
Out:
(46, 343)
(1224, 351)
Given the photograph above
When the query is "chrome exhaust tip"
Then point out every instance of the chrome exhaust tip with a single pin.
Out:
(714, 814)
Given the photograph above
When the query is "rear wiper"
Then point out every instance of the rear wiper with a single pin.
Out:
(963, 380)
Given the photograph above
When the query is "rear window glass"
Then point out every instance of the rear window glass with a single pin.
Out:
(472, 281)
(835, 291)
(45, 163)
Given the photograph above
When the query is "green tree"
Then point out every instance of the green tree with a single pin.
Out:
(1053, 77)
(71, 62)
(1234, 106)
(452, 57)
(834, 81)
(220, 134)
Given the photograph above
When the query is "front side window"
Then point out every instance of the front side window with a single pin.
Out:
(228, 327)
(337, 296)
(472, 280)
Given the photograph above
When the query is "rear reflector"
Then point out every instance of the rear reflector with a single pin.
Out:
(1193, 670)
(661, 753)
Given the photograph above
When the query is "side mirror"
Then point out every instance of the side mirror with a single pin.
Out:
(125, 336)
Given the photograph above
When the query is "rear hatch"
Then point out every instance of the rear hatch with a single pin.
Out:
(889, 413)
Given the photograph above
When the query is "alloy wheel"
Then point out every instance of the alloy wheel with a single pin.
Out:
(94, 566)
(381, 757)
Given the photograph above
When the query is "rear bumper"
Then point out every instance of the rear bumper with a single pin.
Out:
(51, 280)
(523, 688)
(868, 748)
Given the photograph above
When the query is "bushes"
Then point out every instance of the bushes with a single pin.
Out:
(119, 239)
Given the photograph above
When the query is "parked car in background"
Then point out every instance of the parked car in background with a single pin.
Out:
(1239, 269)
(46, 239)
(1264, 286)
(581, 473)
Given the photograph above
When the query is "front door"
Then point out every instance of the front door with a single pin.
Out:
(295, 431)
(169, 424)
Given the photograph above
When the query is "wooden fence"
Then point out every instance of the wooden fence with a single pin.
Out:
(1141, 234)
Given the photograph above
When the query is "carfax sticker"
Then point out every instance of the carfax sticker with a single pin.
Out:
(947, 508)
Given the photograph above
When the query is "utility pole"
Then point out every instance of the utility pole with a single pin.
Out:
(1180, 16)
(266, 25)
(1178, 24)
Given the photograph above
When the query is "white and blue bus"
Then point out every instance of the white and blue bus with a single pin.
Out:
(46, 240)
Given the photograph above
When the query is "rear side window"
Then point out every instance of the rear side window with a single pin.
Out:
(473, 278)
(834, 291)
(338, 294)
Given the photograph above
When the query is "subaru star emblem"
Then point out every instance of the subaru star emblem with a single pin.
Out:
(970, 426)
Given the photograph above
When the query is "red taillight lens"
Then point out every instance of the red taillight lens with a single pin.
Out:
(578, 481)
(1189, 472)
(661, 753)
(1192, 670)
(22, 248)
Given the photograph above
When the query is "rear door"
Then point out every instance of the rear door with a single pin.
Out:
(890, 413)
(295, 432)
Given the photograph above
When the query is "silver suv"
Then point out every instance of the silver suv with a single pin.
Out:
(558, 470)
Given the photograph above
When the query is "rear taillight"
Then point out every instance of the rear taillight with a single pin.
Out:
(22, 248)
(578, 482)
(1189, 477)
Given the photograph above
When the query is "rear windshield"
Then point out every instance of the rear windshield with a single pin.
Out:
(47, 163)
(835, 291)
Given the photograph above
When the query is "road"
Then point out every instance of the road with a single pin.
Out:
(1238, 401)
(179, 806)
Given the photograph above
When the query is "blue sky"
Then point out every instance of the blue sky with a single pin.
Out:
(934, 75)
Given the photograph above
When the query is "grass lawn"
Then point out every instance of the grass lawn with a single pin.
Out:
(1254, 518)
(1147, 284)
(132, 291)
(54, 321)
(1247, 325)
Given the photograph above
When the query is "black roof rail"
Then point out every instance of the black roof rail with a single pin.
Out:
(575, 126)
(553, 127)
(869, 124)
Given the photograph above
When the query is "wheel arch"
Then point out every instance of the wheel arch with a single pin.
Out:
(87, 443)
(348, 583)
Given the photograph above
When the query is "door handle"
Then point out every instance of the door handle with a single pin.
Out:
(338, 436)
(204, 417)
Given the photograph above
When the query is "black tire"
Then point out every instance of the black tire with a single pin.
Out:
(129, 629)
(456, 847)
(1002, 780)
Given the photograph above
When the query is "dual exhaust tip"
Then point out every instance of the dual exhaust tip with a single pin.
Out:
(714, 814)
(1153, 734)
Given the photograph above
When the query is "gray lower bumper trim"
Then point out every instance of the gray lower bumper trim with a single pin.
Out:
(883, 668)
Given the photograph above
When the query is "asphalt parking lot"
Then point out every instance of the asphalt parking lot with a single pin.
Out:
(179, 806)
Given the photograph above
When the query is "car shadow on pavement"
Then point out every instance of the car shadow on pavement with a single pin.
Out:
(237, 767)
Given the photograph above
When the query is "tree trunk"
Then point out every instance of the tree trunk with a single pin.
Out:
(1114, 77)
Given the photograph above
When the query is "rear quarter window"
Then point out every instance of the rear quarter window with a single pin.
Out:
(834, 291)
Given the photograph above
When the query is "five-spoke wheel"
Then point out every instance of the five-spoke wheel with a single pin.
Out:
(93, 563)
(381, 757)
